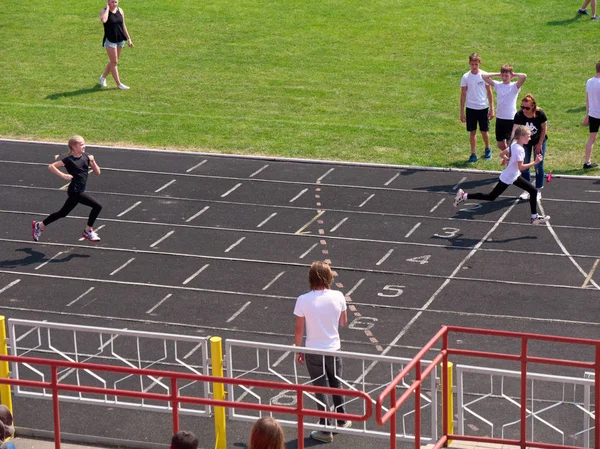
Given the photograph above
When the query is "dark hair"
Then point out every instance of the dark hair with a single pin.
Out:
(184, 440)
(320, 276)
(475, 57)
(266, 434)
(506, 68)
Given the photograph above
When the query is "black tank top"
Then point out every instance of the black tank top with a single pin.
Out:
(114, 31)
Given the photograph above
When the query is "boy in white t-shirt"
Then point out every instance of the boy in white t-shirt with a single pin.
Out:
(477, 97)
(506, 101)
(592, 115)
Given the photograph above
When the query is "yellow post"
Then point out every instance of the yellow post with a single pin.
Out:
(5, 394)
(450, 403)
(216, 351)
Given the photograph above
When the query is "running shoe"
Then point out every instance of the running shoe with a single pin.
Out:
(123, 87)
(36, 230)
(488, 154)
(583, 12)
(90, 235)
(102, 81)
(344, 424)
(323, 437)
(594, 17)
(540, 219)
(589, 165)
(460, 197)
(473, 158)
(524, 195)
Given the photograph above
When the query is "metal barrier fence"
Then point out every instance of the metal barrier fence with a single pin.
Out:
(522, 358)
(361, 372)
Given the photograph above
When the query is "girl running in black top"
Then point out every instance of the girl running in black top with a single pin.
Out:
(77, 164)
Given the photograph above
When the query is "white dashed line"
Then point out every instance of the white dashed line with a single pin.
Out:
(325, 174)
(235, 244)
(384, 258)
(80, 296)
(412, 230)
(459, 183)
(280, 359)
(122, 266)
(196, 166)
(437, 205)
(49, 260)
(335, 228)
(167, 235)
(165, 186)
(130, 209)
(197, 214)
(159, 303)
(273, 281)
(231, 190)
(258, 171)
(195, 274)
(3, 289)
(365, 201)
(266, 219)
(236, 314)
(392, 179)
(353, 289)
(302, 192)
(304, 254)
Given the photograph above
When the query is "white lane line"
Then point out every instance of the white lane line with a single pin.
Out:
(281, 359)
(122, 266)
(459, 183)
(159, 303)
(167, 235)
(130, 209)
(165, 186)
(235, 244)
(392, 179)
(590, 274)
(231, 190)
(365, 201)
(260, 225)
(236, 314)
(564, 249)
(384, 258)
(325, 174)
(273, 281)
(192, 351)
(197, 214)
(299, 231)
(335, 228)
(49, 260)
(302, 192)
(352, 290)
(81, 239)
(3, 289)
(437, 205)
(304, 254)
(196, 166)
(258, 171)
(196, 274)
(80, 296)
(412, 230)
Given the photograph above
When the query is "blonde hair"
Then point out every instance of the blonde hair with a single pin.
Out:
(320, 276)
(266, 434)
(75, 138)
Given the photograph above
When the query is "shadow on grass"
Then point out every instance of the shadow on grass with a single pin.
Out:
(74, 93)
(566, 21)
(573, 110)
(35, 257)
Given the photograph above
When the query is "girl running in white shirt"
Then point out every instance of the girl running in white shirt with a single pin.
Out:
(513, 158)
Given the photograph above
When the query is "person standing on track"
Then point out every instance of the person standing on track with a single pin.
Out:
(77, 164)
(512, 174)
(322, 311)
(115, 36)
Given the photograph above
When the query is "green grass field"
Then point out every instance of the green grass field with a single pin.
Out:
(374, 81)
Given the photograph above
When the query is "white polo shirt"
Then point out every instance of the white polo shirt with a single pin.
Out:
(321, 310)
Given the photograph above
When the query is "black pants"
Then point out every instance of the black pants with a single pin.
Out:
(499, 188)
(73, 200)
(326, 371)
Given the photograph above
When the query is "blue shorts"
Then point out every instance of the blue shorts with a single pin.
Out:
(109, 44)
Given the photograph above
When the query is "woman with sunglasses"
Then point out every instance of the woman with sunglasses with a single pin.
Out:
(535, 119)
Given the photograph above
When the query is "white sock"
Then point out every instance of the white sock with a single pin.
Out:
(534, 216)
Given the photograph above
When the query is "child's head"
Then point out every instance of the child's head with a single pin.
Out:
(507, 73)
(266, 434)
(474, 61)
(75, 142)
(320, 276)
(184, 440)
(521, 134)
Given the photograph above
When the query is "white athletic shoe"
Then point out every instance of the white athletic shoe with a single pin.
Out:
(102, 81)
(36, 230)
(540, 219)
(460, 197)
(123, 87)
(524, 195)
(90, 235)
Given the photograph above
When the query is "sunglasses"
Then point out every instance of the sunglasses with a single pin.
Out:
(526, 108)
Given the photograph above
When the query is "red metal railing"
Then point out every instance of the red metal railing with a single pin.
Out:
(523, 358)
(174, 398)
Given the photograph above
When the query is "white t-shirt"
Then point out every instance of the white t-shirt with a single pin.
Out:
(321, 310)
(511, 172)
(476, 90)
(506, 104)
(592, 88)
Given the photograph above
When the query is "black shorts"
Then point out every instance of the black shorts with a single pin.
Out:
(478, 116)
(594, 124)
(503, 129)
